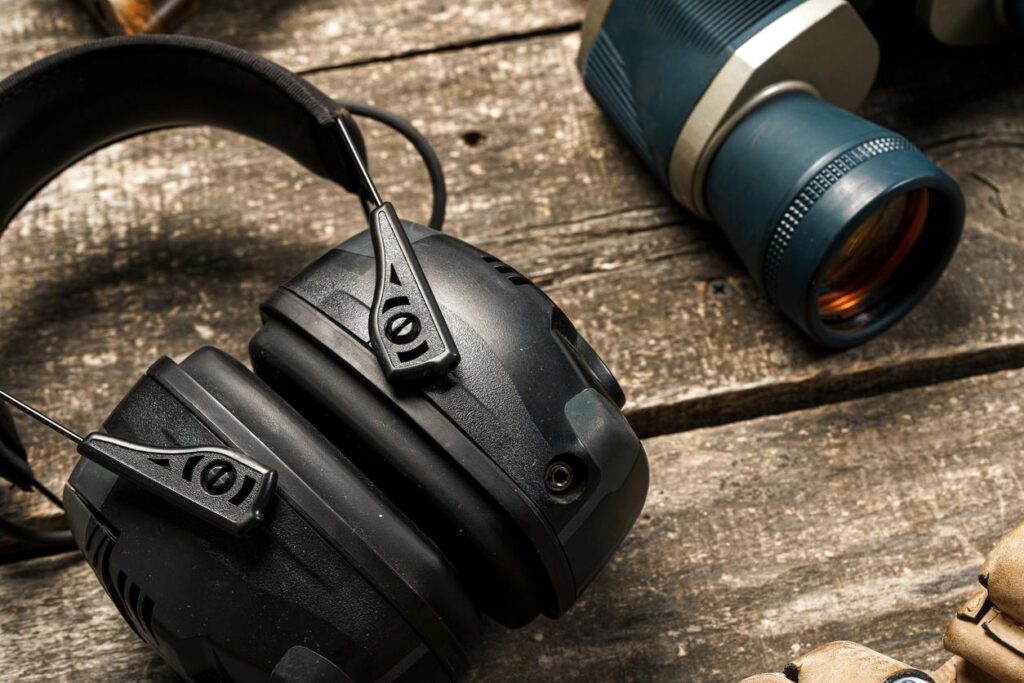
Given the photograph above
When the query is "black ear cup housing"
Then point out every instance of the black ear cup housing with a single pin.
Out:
(519, 465)
(398, 511)
(336, 580)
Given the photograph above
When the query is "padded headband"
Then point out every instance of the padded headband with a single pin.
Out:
(65, 107)
(77, 101)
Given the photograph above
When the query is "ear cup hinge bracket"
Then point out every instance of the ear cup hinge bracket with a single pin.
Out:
(218, 485)
(407, 329)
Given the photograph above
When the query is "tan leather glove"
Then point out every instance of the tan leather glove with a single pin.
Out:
(987, 631)
(987, 634)
(846, 663)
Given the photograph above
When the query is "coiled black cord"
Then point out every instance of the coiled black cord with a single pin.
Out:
(418, 141)
(60, 539)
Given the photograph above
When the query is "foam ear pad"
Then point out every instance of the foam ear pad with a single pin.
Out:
(496, 563)
(331, 477)
(335, 574)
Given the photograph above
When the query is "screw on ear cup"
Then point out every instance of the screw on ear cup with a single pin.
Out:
(334, 568)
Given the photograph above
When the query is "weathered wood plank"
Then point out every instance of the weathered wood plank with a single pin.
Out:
(864, 520)
(159, 245)
(302, 34)
(69, 611)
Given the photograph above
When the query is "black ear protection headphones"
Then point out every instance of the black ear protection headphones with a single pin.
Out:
(348, 508)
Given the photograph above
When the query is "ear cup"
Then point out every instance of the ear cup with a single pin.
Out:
(335, 570)
(331, 476)
(518, 463)
(497, 564)
(524, 434)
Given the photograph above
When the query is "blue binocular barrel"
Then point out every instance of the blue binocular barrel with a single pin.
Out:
(845, 224)
(1015, 15)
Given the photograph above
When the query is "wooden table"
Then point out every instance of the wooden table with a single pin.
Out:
(797, 496)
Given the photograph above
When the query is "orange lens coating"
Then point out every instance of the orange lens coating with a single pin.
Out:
(864, 268)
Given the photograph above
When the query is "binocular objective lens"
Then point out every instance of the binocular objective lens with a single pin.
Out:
(866, 268)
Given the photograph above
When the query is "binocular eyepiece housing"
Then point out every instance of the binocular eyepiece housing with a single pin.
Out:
(972, 22)
(741, 110)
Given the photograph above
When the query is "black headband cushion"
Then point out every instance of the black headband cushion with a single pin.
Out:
(77, 101)
(74, 102)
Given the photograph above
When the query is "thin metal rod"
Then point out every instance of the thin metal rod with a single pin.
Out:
(364, 172)
(50, 495)
(40, 417)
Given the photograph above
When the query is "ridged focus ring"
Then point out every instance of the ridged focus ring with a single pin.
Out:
(793, 216)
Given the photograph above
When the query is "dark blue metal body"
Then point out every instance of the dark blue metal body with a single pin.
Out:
(653, 60)
(792, 181)
(1015, 13)
(796, 177)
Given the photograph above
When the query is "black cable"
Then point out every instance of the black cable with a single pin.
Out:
(50, 495)
(422, 145)
(437, 215)
(58, 539)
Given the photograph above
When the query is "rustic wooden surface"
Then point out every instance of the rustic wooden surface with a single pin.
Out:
(863, 520)
(304, 35)
(159, 245)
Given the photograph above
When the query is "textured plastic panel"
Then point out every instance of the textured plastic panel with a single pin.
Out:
(218, 607)
(523, 365)
(653, 59)
(789, 224)
(605, 75)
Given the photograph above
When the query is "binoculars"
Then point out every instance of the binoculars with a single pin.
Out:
(742, 109)
(972, 22)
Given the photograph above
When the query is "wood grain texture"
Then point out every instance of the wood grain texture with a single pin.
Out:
(865, 520)
(132, 17)
(58, 605)
(162, 244)
(301, 34)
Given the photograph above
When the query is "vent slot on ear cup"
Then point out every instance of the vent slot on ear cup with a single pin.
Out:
(137, 604)
(510, 273)
(134, 605)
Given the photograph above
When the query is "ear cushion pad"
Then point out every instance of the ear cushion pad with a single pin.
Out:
(497, 564)
(335, 480)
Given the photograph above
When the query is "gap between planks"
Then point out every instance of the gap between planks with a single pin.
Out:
(779, 398)
(501, 38)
